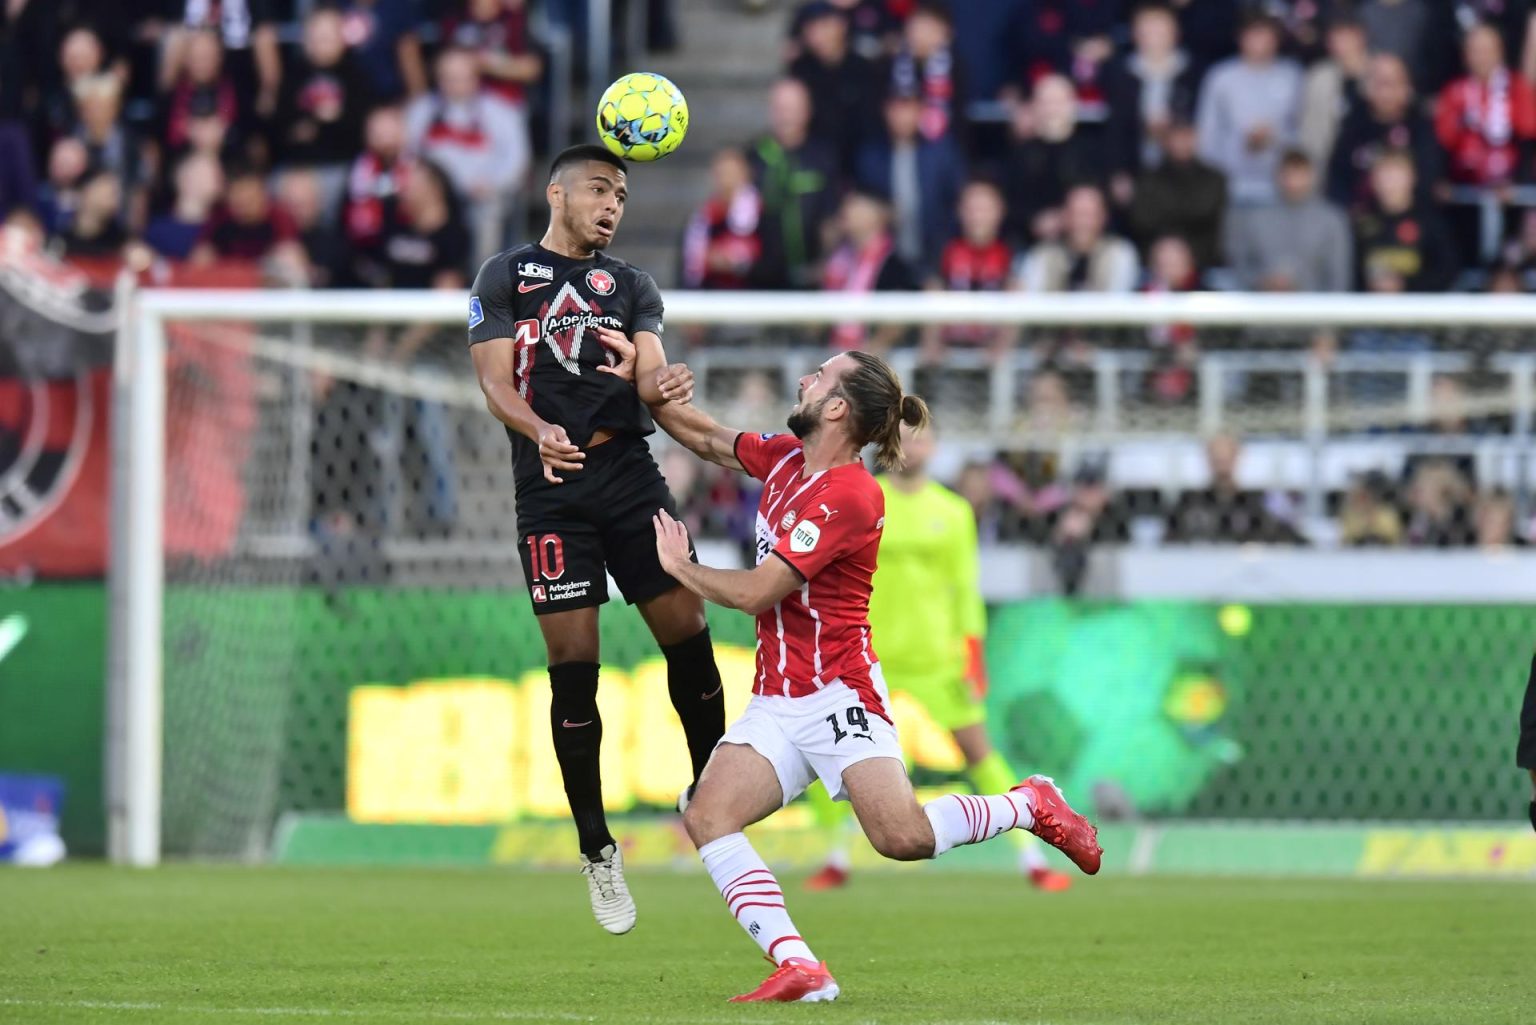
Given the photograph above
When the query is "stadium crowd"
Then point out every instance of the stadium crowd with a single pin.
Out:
(1285, 145)
(974, 145)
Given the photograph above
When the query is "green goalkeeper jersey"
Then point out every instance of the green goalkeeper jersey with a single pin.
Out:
(926, 598)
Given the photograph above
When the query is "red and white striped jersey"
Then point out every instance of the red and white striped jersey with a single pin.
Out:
(826, 526)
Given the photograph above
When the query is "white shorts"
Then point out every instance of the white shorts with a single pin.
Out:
(816, 736)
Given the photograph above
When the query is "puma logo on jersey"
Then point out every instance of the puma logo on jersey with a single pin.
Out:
(830, 513)
(525, 288)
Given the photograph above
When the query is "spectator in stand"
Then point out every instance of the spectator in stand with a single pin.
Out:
(863, 260)
(1487, 119)
(1175, 347)
(847, 87)
(199, 182)
(249, 228)
(96, 231)
(1154, 86)
(1496, 523)
(1367, 517)
(1439, 506)
(1069, 38)
(382, 37)
(59, 195)
(425, 247)
(974, 484)
(497, 32)
(1049, 154)
(1405, 29)
(1224, 513)
(1333, 87)
(874, 30)
(324, 99)
(1401, 243)
(1515, 21)
(1091, 516)
(479, 139)
(797, 178)
(109, 142)
(1249, 107)
(1087, 259)
(200, 92)
(1183, 196)
(81, 56)
(721, 243)
(373, 188)
(921, 178)
(925, 67)
(976, 261)
(1299, 243)
(1387, 119)
(301, 194)
(18, 179)
(247, 33)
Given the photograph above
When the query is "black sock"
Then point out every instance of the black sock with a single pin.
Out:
(693, 680)
(578, 733)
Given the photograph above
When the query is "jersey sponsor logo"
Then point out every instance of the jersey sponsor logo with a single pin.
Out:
(829, 513)
(535, 270)
(600, 281)
(476, 312)
(788, 520)
(526, 332)
(524, 288)
(538, 593)
(804, 537)
(565, 323)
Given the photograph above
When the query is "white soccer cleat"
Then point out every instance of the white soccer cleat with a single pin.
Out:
(612, 905)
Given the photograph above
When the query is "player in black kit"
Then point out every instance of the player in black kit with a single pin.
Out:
(586, 483)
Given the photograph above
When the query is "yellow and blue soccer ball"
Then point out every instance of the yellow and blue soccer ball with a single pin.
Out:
(642, 117)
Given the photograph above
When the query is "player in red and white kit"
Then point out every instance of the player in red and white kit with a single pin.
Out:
(819, 707)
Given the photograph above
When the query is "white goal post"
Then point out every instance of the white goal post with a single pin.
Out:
(140, 464)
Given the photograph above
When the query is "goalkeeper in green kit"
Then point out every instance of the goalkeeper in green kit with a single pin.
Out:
(927, 622)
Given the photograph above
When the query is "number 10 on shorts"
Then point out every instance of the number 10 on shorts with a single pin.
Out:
(858, 721)
(546, 556)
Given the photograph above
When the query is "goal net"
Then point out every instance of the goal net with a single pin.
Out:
(320, 607)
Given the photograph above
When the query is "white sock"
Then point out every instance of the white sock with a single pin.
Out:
(960, 819)
(753, 895)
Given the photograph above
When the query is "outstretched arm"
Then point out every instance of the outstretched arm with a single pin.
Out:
(688, 425)
(753, 591)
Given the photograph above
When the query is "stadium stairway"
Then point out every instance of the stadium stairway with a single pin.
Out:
(729, 54)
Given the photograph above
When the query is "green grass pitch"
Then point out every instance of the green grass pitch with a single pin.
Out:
(225, 945)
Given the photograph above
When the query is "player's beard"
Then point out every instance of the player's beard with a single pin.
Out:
(803, 422)
(581, 232)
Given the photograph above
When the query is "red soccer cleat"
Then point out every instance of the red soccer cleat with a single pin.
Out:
(1048, 880)
(829, 878)
(795, 981)
(1061, 827)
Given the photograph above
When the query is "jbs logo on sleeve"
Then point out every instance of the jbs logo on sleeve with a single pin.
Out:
(535, 270)
(804, 537)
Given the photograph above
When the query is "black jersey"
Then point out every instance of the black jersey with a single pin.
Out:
(547, 303)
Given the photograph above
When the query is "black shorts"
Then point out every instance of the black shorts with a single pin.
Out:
(571, 535)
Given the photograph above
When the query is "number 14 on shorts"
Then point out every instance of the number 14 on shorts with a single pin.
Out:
(858, 723)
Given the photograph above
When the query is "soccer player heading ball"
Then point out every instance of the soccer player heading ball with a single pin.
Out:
(820, 708)
(586, 483)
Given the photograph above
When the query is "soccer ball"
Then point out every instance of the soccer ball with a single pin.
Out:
(642, 117)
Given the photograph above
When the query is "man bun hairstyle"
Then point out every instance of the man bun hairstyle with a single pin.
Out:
(879, 407)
